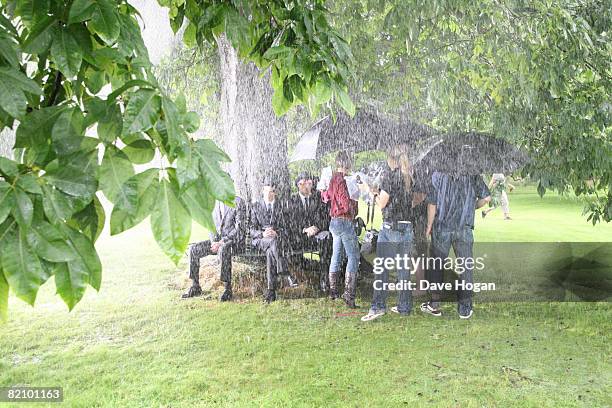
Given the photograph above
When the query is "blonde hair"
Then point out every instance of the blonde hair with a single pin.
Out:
(399, 155)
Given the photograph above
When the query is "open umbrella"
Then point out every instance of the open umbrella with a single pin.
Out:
(367, 130)
(472, 153)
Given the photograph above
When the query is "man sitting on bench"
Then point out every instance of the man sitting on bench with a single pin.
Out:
(229, 239)
(310, 221)
(269, 229)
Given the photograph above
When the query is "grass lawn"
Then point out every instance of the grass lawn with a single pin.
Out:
(136, 344)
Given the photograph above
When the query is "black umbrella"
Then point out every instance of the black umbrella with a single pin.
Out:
(367, 130)
(472, 153)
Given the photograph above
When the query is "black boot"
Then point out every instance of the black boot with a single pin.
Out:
(324, 282)
(194, 290)
(270, 296)
(333, 285)
(227, 293)
(350, 288)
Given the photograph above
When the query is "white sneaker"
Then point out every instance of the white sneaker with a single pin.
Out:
(426, 308)
(467, 316)
(394, 309)
(372, 315)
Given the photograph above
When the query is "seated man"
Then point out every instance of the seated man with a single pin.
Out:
(229, 238)
(269, 234)
(310, 221)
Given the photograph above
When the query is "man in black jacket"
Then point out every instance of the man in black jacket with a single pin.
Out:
(269, 233)
(229, 238)
(310, 223)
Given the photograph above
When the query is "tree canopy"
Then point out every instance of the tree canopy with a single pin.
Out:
(535, 72)
(76, 84)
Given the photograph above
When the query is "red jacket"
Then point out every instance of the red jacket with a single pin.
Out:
(338, 196)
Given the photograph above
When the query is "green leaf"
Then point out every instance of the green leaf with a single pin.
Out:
(176, 137)
(57, 207)
(22, 268)
(90, 220)
(7, 200)
(142, 111)
(68, 132)
(200, 204)
(23, 209)
(12, 99)
(95, 80)
(170, 222)
(38, 39)
(81, 10)
(345, 100)
(66, 53)
(218, 182)
(191, 122)
(108, 116)
(105, 20)
(71, 283)
(8, 168)
(28, 183)
(279, 103)
(278, 52)
(87, 261)
(322, 90)
(18, 79)
(115, 170)
(4, 294)
(36, 127)
(48, 243)
(140, 151)
(72, 180)
(137, 201)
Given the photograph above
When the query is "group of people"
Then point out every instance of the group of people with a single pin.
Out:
(438, 205)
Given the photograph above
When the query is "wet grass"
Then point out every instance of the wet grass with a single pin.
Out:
(136, 344)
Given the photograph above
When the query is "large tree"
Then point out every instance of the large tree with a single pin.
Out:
(76, 84)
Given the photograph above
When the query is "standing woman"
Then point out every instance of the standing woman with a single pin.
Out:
(343, 211)
(396, 198)
(498, 186)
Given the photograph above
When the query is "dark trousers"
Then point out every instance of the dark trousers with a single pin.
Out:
(276, 259)
(462, 242)
(202, 249)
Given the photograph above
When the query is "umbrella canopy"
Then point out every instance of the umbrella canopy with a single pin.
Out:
(367, 130)
(473, 153)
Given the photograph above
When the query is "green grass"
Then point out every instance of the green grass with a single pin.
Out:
(136, 344)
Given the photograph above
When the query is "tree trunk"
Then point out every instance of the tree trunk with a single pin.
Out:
(251, 134)
(7, 140)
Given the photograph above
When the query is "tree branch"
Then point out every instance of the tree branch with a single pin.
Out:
(57, 83)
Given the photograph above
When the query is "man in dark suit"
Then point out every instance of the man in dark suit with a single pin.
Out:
(269, 233)
(310, 223)
(229, 238)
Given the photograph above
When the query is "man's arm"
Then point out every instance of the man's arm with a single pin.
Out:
(382, 199)
(482, 193)
(256, 231)
(431, 215)
(236, 220)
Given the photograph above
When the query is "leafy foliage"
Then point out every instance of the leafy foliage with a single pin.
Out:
(308, 58)
(537, 73)
(77, 85)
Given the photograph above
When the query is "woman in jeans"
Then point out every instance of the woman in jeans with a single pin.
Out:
(396, 198)
(343, 211)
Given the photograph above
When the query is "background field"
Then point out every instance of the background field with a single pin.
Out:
(137, 344)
